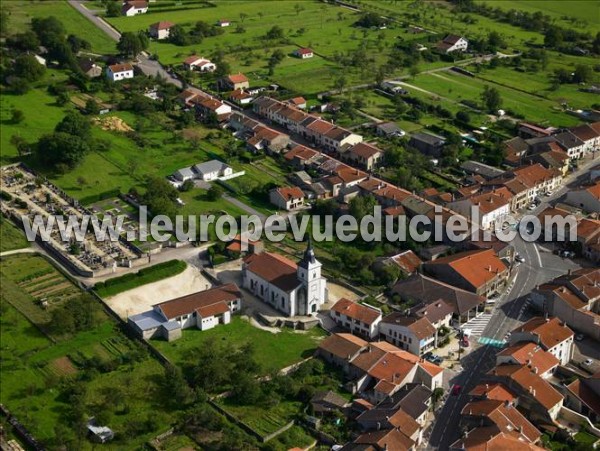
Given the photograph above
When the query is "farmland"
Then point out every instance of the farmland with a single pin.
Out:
(21, 12)
(38, 367)
(11, 237)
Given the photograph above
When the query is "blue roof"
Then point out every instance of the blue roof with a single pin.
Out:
(147, 320)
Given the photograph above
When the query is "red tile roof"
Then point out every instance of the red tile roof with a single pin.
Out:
(212, 310)
(274, 268)
(237, 78)
(185, 305)
(290, 192)
(162, 25)
(477, 267)
(408, 261)
(495, 391)
(532, 355)
(343, 345)
(356, 311)
(531, 383)
(551, 332)
(114, 68)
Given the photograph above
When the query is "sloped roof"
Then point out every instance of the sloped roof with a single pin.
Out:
(274, 268)
(408, 261)
(356, 311)
(187, 304)
(237, 78)
(532, 355)
(551, 331)
(477, 267)
(343, 345)
(420, 327)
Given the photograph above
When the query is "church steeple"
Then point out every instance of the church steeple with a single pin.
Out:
(309, 256)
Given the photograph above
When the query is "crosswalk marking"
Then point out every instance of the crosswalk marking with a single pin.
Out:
(477, 325)
(492, 342)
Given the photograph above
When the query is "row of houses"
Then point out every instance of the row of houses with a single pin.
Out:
(520, 398)
(205, 105)
(576, 142)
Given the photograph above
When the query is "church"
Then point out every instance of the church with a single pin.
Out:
(293, 289)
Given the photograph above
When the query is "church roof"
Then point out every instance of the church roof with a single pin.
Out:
(309, 256)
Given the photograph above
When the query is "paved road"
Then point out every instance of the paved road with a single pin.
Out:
(540, 266)
(148, 66)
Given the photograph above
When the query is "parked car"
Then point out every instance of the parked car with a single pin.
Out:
(532, 207)
(567, 254)
(464, 343)
(456, 390)
(587, 362)
(520, 258)
(579, 337)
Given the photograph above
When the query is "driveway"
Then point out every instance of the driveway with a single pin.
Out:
(149, 67)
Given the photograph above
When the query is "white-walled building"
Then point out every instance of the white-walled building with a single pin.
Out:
(550, 334)
(118, 72)
(489, 207)
(293, 289)
(203, 310)
(199, 63)
(415, 335)
(359, 319)
(134, 7)
(453, 43)
(160, 30)
(287, 197)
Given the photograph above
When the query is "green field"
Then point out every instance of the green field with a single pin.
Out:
(273, 351)
(11, 237)
(21, 12)
(458, 87)
(142, 277)
(582, 14)
(35, 369)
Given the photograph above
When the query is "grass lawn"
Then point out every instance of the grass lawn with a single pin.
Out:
(41, 114)
(21, 12)
(144, 276)
(567, 13)
(11, 237)
(458, 87)
(274, 351)
(264, 420)
(34, 367)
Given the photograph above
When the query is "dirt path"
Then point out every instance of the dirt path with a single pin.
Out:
(143, 298)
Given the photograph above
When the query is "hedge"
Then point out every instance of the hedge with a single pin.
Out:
(144, 276)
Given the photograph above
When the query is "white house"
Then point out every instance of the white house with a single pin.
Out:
(134, 7)
(203, 310)
(118, 72)
(589, 135)
(160, 30)
(304, 53)
(287, 197)
(212, 170)
(199, 63)
(223, 23)
(551, 335)
(359, 319)
(293, 289)
(490, 207)
(453, 43)
(413, 334)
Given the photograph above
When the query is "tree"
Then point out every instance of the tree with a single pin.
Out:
(132, 44)
(553, 37)
(75, 124)
(463, 116)
(298, 8)
(243, 16)
(28, 68)
(113, 9)
(92, 107)
(61, 149)
(176, 386)
(583, 73)
(26, 41)
(491, 99)
(276, 32)
(48, 29)
(495, 41)
(340, 83)
(215, 192)
(17, 116)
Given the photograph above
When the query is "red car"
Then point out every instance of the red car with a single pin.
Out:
(464, 343)
(456, 389)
